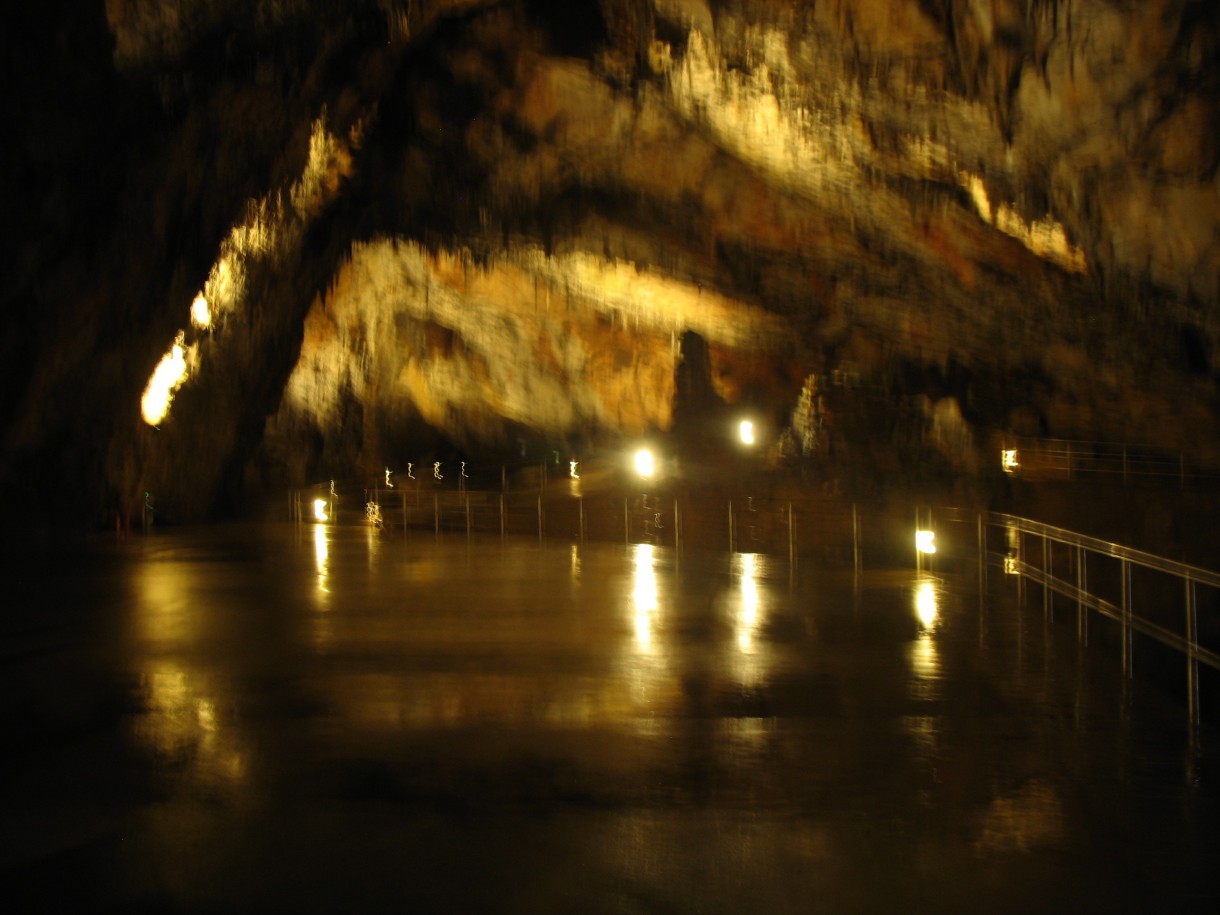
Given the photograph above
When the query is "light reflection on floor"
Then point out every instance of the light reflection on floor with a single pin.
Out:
(302, 719)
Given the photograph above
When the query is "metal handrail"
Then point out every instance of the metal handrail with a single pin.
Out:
(1126, 459)
(1115, 612)
(1107, 548)
(1186, 643)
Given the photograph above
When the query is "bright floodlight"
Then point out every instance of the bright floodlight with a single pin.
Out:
(1008, 458)
(745, 432)
(644, 464)
(319, 509)
(925, 604)
(925, 541)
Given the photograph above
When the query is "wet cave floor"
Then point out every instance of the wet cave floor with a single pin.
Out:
(318, 717)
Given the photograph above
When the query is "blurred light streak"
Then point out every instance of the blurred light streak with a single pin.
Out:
(166, 378)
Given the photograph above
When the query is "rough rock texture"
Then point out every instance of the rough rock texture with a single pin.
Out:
(429, 227)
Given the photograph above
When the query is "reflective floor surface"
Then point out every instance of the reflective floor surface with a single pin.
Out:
(311, 719)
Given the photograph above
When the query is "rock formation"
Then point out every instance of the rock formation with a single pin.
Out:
(417, 227)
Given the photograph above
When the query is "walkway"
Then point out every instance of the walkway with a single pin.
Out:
(324, 719)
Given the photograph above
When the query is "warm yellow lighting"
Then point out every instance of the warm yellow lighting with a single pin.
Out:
(268, 226)
(745, 431)
(644, 464)
(321, 552)
(1045, 237)
(1012, 538)
(166, 378)
(645, 591)
(925, 603)
(321, 549)
(925, 541)
(201, 314)
(644, 595)
(572, 465)
(747, 622)
(319, 510)
(1008, 458)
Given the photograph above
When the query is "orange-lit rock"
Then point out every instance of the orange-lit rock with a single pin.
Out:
(471, 221)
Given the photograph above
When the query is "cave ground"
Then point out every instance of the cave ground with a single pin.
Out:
(317, 718)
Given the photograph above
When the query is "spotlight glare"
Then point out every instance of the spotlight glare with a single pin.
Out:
(644, 464)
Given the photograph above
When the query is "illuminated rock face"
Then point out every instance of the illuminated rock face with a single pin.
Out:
(472, 222)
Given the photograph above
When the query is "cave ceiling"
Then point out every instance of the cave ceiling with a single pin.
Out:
(376, 232)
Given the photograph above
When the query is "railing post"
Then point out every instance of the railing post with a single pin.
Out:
(982, 540)
(677, 532)
(791, 539)
(731, 526)
(1020, 567)
(855, 538)
(1127, 635)
(1082, 586)
(1046, 577)
(580, 520)
(1192, 652)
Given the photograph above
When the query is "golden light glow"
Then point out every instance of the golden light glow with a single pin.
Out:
(179, 720)
(747, 621)
(1044, 237)
(321, 549)
(321, 552)
(166, 378)
(269, 227)
(749, 659)
(645, 466)
(319, 510)
(924, 653)
(745, 431)
(644, 595)
(925, 604)
(925, 541)
(1008, 459)
(201, 314)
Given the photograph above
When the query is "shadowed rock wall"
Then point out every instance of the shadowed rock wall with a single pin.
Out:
(447, 225)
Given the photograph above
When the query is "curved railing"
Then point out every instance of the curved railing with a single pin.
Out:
(1081, 554)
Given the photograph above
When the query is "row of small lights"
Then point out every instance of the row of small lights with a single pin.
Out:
(645, 467)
